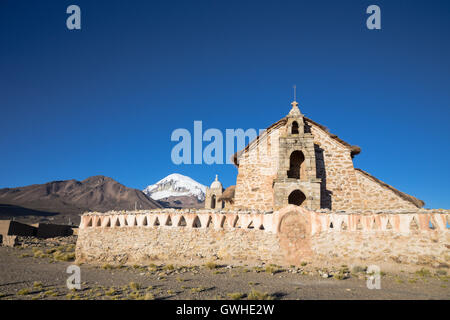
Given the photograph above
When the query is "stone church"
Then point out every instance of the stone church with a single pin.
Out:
(298, 161)
(297, 198)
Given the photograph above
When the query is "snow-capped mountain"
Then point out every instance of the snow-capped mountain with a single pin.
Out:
(176, 185)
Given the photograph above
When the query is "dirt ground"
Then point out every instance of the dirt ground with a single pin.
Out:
(37, 270)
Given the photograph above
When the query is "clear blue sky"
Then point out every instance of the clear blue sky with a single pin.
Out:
(105, 99)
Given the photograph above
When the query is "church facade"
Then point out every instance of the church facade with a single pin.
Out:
(298, 161)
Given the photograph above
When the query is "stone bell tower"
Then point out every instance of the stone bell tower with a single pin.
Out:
(213, 194)
(296, 182)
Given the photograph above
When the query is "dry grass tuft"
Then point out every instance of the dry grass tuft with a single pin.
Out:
(211, 265)
(236, 295)
(256, 295)
(134, 286)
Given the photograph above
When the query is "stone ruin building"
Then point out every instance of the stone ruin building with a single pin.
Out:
(297, 198)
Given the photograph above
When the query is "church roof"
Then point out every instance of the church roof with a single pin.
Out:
(228, 194)
(355, 150)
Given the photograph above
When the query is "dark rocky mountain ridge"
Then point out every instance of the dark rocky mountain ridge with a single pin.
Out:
(60, 200)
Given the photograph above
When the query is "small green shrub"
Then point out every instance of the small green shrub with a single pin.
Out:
(111, 292)
(339, 276)
(51, 293)
(149, 296)
(272, 270)
(236, 295)
(39, 254)
(23, 292)
(169, 267)
(134, 295)
(211, 265)
(258, 269)
(63, 256)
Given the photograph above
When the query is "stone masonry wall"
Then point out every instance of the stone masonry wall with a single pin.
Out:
(185, 246)
(419, 238)
(257, 170)
(419, 248)
(288, 236)
(372, 195)
(335, 167)
(190, 238)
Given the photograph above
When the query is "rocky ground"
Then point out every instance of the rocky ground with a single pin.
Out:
(37, 270)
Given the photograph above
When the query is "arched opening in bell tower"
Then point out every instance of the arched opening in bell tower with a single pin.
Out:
(294, 128)
(296, 197)
(295, 164)
(213, 201)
